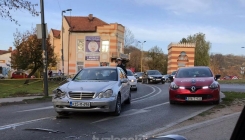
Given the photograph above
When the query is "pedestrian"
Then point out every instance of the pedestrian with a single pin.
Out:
(104, 64)
(121, 65)
(50, 73)
(59, 72)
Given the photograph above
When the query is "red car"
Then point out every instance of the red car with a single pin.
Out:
(192, 84)
(19, 75)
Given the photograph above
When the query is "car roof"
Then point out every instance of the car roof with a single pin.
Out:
(195, 67)
(100, 68)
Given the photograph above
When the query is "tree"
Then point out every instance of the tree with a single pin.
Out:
(135, 60)
(8, 5)
(128, 38)
(202, 48)
(156, 60)
(28, 52)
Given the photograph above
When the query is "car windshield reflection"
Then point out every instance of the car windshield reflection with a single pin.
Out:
(97, 74)
(154, 73)
(197, 72)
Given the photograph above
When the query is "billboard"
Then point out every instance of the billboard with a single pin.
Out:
(92, 48)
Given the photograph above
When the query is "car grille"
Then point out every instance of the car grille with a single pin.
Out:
(204, 96)
(81, 95)
(196, 88)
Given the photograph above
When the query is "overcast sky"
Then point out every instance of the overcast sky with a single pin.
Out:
(158, 22)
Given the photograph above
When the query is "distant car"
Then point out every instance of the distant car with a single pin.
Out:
(132, 79)
(153, 76)
(19, 75)
(94, 89)
(166, 78)
(173, 74)
(138, 76)
(194, 84)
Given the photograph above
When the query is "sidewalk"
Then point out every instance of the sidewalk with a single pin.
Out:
(216, 129)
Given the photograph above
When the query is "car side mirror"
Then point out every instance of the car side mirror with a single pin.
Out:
(124, 80)
(69, 79)
(171, 78)
(217, 77)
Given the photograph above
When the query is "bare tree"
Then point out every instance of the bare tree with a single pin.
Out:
(128, 38)
(12, 5)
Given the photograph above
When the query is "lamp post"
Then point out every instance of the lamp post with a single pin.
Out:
(62, 50)
(141, 53)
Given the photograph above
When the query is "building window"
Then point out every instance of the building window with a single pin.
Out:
(79, 66)
(105, 46)
(119, 46)
(80, 45)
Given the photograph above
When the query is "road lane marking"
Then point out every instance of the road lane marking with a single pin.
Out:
(14, 125)
(150, 96)
(35, 109)
(146, 94)
(134, 112)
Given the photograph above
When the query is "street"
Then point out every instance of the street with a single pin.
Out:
(149, 111)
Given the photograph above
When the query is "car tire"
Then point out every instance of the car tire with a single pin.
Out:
(118, 107)
(216, 102)
(63, 113)
(163, 82)
(136, 89)
(172, 102)
(128, 101)
(147, 81)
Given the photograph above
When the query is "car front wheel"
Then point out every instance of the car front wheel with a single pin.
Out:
(117, 111)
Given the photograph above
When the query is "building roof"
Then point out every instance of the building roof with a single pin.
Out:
(4, 52)
(84, 24)
(56, 33)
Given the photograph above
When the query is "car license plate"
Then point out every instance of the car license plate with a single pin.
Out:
(80, 104)
(159, 79)
(193, 98)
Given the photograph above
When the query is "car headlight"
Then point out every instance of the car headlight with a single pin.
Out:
(133, 80)
(151, 77)
(140, 77)
(174, 86)
(106, 94)
(59, 93)
(214, 85)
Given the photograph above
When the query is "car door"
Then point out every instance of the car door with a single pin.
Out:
(123, 85)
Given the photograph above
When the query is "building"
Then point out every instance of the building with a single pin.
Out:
(87, 42)
(5, 59)
(180, 55)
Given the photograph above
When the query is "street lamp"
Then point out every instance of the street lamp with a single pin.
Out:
(141, 53)
(62, 50)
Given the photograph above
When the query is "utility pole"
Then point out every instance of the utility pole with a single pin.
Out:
(45, 53)
(141, 54)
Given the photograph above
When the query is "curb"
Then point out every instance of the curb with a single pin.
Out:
(200, 125)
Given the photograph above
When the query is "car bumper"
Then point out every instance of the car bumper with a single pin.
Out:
(133, 84)
(207, 95)
(156, 80)
(96, 105)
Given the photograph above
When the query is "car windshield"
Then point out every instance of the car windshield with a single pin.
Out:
(195, 72)
(97, 74)
(139, 73)
(130, 73)
(155, 72)
(173, 73)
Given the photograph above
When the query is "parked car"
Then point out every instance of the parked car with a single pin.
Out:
(132, 79)
(194, 84)
(153, 76)
(19, 75)
(94, 89)
(138, 76)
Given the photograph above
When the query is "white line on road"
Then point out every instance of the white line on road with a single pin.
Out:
(14, 125)
(136, 111)
(145, 95)
(43, 108)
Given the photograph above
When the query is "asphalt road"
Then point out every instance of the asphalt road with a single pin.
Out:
(148, 112)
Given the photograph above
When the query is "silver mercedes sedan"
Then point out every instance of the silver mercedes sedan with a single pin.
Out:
(96, 89)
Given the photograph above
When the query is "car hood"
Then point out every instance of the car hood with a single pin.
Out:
(155, 75)
(201, 81)
(94, 86)
(131, 77)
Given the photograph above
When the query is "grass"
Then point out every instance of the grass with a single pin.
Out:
(15, 88)
(230, 97)
(235, 81)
